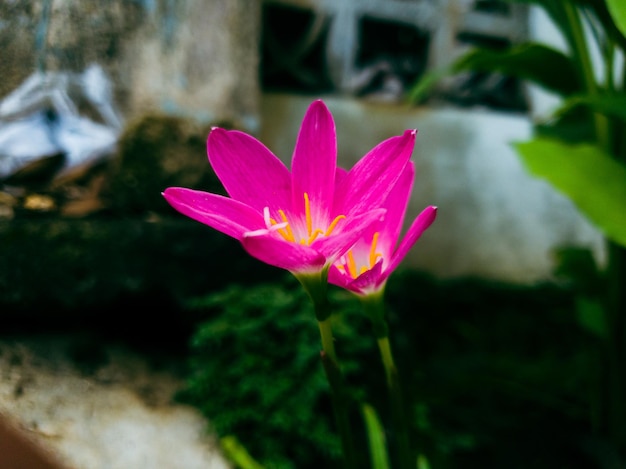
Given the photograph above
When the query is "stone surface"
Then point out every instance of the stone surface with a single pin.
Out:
(97, 405)
(79, 244)
(190, 58)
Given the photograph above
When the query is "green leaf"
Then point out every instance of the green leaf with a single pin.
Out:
(538, 63)
(610, 104)
(617, 8)
(235, 452)
(376, 438)
(427, 82)
(422, 462)
(589, 177)
(591, 317)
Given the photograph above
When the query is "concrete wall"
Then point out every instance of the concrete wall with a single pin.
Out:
(191, 58)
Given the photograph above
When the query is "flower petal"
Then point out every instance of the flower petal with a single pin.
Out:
(249, 171)
(340, 173)
(370, 280)
(229, 216)
(338, 278)
(341, 241)
(315, 161)
(396, 205)
(368, 183)
(419, 225)
(367, 282)
(293, 257)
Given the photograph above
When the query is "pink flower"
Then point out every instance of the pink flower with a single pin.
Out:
(301, 219)
(364, 268)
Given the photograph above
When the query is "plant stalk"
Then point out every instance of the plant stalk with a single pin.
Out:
(374, 307)
(316, 286)
(339, 395)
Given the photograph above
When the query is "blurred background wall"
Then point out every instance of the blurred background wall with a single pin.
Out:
(135, 85)
(256, 66)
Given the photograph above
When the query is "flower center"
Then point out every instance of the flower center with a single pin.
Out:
(289, 233)
(352, 267)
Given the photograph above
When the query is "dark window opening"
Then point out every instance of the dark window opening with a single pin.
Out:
(493, 7)
(391, 57)
(293, 50)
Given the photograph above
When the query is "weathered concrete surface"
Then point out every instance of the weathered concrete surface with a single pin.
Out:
(495, 221)
(192, 58)
(74, 247)
(96, 405)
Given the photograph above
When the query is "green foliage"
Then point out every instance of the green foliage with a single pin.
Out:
(617, 8)
(490, 371)
(498, 373)
(547, 67)
(257, 375)
(586, 174)
(612, 105)
(593, 180)
(539, 63)
(238, 454)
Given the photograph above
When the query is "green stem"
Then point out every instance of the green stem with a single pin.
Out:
(316, 287)
(328, 341)
(374, 307)
(385, 353)
(406, 456)
(616, 309)
(614, 413)
(582, 57)
(340, 400)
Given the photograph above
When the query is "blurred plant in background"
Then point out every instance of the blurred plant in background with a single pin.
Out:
(498, 378)
(581, 151)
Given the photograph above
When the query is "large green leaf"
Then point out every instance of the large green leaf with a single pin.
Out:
(611, 104)
(589, 177)
(617, 8)
(538, 63)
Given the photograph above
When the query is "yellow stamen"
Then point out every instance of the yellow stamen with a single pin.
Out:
(351, 265)
(373, 254)
(288, 234)
(307, 214)
(285, 227)
(333, 224)
(315, 234)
